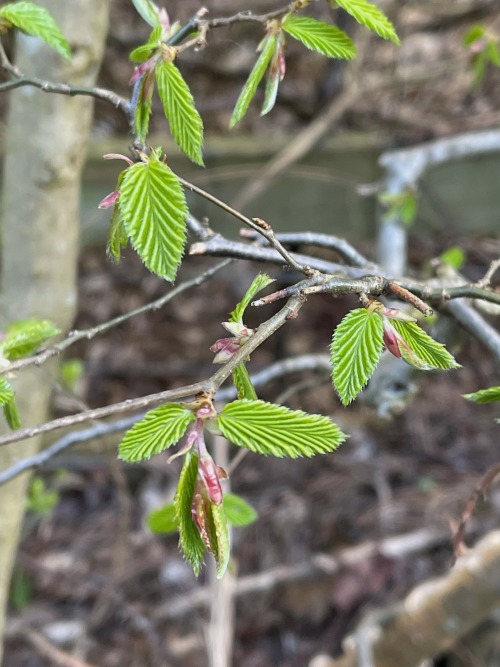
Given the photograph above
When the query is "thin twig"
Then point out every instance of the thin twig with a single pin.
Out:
(479, 492)
(306, 362)
(43, 646)
(88, 334)
(342, 247)
(210, 386)
(261, 227)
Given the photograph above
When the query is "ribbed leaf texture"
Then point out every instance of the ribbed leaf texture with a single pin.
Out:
(259, 282)
(484, 395)
(178, 104)
(425, 353)
(26, 336)
(161, 428)
(148, 11)
(154, 210)
(190, 542)
(355, 351)
(218, 534)
(163, 520)
(117, 238)
(255, 77)
(141, 53)
(243, 383)
(371, 17)
(319, 36)
(8, 403)
(274, 430)
(238, 511)
(37, 21)
(144, 106)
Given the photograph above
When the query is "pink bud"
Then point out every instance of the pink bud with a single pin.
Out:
(225, 348)
(143, 68)
(109, 200)
(118, 156)
(391, 338)
(209, 474)
(396, 314)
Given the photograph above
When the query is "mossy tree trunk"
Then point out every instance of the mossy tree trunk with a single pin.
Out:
(46, 137)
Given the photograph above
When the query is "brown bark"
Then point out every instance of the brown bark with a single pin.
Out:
(45, 148)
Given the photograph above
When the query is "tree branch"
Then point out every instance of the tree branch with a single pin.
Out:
(306, 362)
(210, 386)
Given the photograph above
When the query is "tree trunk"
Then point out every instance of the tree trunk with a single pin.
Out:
(45, 148)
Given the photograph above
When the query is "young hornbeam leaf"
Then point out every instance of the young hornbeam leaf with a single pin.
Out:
(267, 47)
(238, 511)
(190, 540)
(117, 238)
(319, 36)
(243, 383)
(154, 210)
(210, 520)
(25, 337)
(355, 351)
(275, 75)
(8, 403)
(259, 282)
(11, 414)
(163, 520)
(371, 17)
(36, 21)
(148, 11)
(484, 395)
(274, 430)
(159, 429)
(144, 106)
(178, 103)
(417, 348)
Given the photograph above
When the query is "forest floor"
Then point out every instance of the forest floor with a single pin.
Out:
(92, 578)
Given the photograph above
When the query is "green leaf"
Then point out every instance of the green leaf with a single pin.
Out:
(371, 17)
(243, 383)
(143, 52)
(163, 520)
(41, 500)
(158, 430)
(190, 542)
(117, 238)
(72, 371)
(238, 511)
(11, 414)
(274, 430)
(219, 537)
(144, 106)
(255, 77)
(25, 337)
(148, 11)
(178, 103)
(423, 352)
(6, 391)
(473, 34)
(37, 21)
(453, 257)
(355, 351)
(493, 53)
(319, 36)
(403, 205)
(259, 282)
(8, 403)
(484, 395)
(154, 212)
